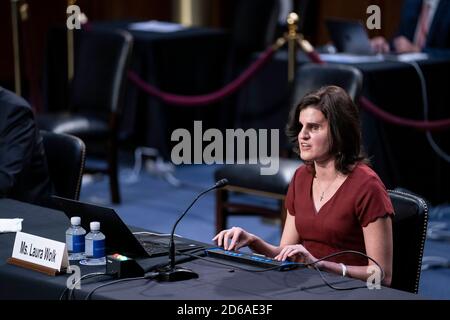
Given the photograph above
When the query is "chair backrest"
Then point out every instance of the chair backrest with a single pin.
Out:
(65, 158)
(312, 76)
(409, 233)
(101, 62)
(254, 24)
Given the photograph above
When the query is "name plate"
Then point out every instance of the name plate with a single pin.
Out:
(40, 254)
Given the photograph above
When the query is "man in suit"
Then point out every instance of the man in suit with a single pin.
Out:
(23, 167)
(424, 26)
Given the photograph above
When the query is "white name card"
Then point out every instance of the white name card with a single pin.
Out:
(40, 251)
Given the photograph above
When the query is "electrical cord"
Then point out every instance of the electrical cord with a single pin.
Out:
(434, 262)
(383, 275)
(152, 275)
(86, 276)
(302, 265)
(437, 231)
(155, 234)
(423, 87)
(148, 276)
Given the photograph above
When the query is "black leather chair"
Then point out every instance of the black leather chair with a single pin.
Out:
(101, 61)
(65, 158)
(409, 233)
(247, 179)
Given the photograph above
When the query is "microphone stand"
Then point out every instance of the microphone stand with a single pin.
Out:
(174, 273)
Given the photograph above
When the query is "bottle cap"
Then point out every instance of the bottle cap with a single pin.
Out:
(75, 221)
(94, 225)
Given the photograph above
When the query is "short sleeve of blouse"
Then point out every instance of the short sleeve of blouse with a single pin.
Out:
(290, 196)
(373, 202)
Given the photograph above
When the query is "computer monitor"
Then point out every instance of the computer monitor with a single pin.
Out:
(119, 238)
(349, 36)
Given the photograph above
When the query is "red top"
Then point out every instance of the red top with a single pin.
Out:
(360, 200)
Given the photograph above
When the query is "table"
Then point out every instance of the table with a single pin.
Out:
(215, 282)
(401, 156)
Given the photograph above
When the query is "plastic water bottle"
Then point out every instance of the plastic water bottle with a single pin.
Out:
(95, 246)
(75, 239)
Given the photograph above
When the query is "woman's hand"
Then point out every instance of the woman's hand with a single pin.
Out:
(234, 238)
(379, 45)
(296, 253)
(403, 45)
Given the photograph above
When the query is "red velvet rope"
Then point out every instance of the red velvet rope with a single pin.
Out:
(206, 98)
(436, 125)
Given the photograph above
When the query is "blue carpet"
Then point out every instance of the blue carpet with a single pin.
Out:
(152, 203)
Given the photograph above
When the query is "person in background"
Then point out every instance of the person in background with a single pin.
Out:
(424, 26)
(23, 167)
(335, 201)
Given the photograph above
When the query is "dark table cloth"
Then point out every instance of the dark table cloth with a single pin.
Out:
(215, 282)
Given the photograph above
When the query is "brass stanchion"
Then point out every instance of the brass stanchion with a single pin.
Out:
(70, 48)
(292, 21)
(294, 38)
(16, 42)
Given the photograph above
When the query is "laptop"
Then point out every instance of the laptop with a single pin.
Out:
(119, 238)
(349, 36)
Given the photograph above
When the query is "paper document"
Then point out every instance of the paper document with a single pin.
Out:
(10, 225)
(156, 26)
(350, 58)
(415, 56)
(354, 58)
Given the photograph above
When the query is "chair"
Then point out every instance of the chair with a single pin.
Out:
(252, 29)
(409, 233)
(95, 97)
(246, 178)
(65, 158)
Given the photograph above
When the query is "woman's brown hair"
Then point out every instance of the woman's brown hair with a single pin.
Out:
(343, 119)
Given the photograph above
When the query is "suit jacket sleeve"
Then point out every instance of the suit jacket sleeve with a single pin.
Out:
(409, 18)
(16, 144)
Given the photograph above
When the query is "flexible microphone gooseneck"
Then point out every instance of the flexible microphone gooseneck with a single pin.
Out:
(171, 272)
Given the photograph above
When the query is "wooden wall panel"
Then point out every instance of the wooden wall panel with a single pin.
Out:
(44, 14)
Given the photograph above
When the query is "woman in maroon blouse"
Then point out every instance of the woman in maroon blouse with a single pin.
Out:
(335, 202)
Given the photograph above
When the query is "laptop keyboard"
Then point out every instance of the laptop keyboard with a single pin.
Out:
(159, 245)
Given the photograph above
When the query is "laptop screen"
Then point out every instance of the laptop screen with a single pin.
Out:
(349, 36)
(119, 239)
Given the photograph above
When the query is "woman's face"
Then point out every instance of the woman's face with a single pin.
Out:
(313, 139)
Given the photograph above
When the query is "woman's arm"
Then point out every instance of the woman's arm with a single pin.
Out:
(236, 238)
(378, 242)
(289, 236)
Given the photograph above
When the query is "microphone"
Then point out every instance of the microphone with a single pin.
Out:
(171, 272)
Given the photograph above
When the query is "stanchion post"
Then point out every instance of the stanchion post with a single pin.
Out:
(70, 54)
(292, 21)
(16, 42)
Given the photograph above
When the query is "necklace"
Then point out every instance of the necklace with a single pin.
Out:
(326, 189)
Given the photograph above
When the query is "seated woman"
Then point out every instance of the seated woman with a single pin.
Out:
(335, 202)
